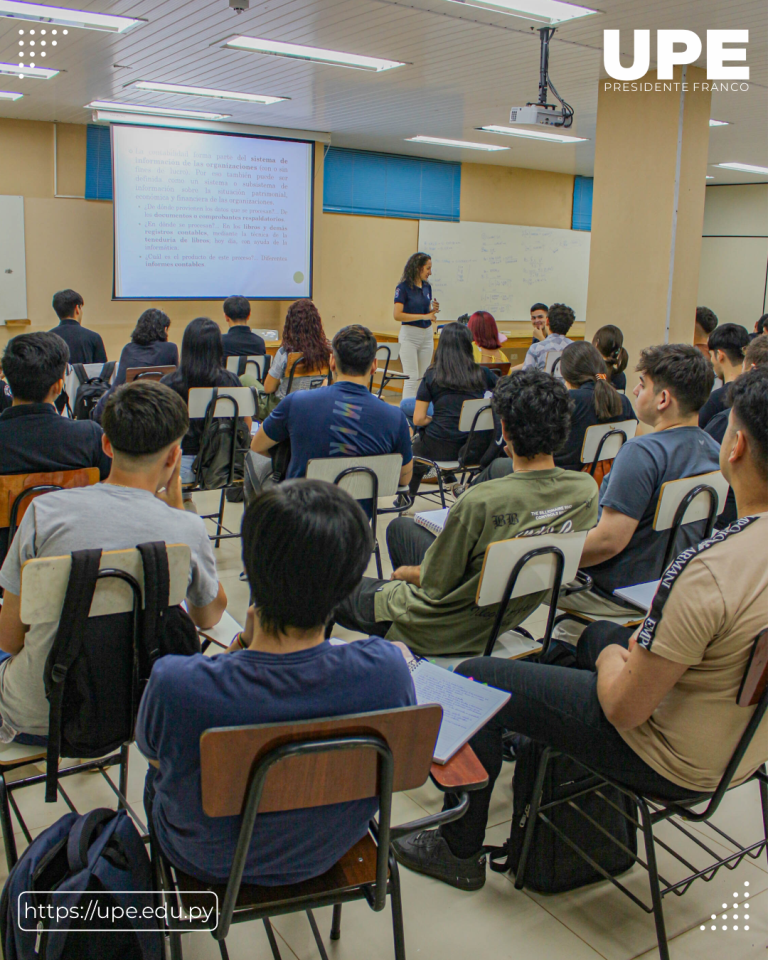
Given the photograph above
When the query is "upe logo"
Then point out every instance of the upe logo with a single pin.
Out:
(667, 57)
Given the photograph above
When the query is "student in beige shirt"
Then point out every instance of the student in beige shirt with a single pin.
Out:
(655, 709)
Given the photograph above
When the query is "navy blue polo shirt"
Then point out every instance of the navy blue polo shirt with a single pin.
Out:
(415, 300)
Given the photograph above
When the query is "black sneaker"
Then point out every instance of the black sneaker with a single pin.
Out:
(427, 852)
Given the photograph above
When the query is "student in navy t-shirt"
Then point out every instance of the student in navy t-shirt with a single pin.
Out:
(279, 669)
(343, 420)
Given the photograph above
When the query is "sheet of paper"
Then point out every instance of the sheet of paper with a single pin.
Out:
(641, 594)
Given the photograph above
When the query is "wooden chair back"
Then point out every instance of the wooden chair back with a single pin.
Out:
(227, 756)
(200, 397)
(552, 363)
(386, 466)
(538, 574)
(148, 373)
(755, 679)
(15, 484)
(44, 583)
(260, 364)
(611, 447)
(673, 492)
(470, 409)
(497, 366)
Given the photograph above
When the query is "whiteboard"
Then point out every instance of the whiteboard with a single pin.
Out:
(504, 268)
(13, 265)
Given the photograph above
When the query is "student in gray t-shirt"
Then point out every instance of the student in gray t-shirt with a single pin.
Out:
(623, 549)
(140, 501)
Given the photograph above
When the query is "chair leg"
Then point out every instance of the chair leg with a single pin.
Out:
(272, 940)
(11, 856)
(653, 879)
(336, 922)
(533, 816)
(223, 950)
(398, 929)
(316, 934)
(220, 519)
(377, 553)
(763, 787)
(175, 945)
(441, 488)
(123, 779)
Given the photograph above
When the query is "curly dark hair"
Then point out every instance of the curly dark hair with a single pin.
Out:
(560, 318)
(412, 269)
(706, 319)
(535, 409)
(151, 326)
(303, 333)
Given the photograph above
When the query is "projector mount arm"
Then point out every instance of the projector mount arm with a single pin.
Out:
(545, 84)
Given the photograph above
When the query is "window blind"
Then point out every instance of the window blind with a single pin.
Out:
(582, 203)
(98, 163)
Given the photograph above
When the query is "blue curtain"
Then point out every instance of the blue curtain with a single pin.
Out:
(582, 203)
(385, 185)
(98, 163)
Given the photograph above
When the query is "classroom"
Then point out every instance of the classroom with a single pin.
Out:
(383, 479)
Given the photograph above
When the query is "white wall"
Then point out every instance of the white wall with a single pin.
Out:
(733, 279)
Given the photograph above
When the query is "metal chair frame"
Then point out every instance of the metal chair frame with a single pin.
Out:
(653, 811)
(317, 379)
(387, 881)
(464, 469)
(386, 376)
(16, 506)
(601, 444)
(115, 758)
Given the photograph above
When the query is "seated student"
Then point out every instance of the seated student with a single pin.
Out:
(140, 501)
(609, 341)
(302, 334)
(624, 549)
(539, 312)
(706, 321)
(660, 715)
(726, 351)
(430, 602)
(240, 340)
(85, 346)
(279, 669)
(342, 420)
(486, 342)
(559, 321)
(33, 437)
(760, 326)
(202, 365)
(149, 346)
(451, 378)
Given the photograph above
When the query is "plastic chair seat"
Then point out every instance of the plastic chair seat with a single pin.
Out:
(13, 753)
(356, 867)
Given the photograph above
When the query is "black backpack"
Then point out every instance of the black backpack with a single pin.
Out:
(95, 674)
(552, 866)
(214, 461)
(90, 389)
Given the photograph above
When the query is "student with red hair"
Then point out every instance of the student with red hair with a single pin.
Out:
(486, 339)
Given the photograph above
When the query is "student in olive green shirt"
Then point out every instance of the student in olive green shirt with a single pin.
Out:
(430, 602)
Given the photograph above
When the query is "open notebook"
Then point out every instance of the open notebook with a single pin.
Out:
(432, 520)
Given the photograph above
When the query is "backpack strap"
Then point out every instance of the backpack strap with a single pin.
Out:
(242, 363)
(157, 586)
(65, 650)
(82, 835)
(80, 372)
(107, 370)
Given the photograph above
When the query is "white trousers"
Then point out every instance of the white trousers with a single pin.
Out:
(416, 347)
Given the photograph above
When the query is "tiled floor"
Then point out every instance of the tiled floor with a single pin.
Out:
(498, 921)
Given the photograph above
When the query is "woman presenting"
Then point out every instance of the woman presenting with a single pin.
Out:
(415, 311)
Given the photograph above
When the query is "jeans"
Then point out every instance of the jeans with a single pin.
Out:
(409, 405)
(556, 706)
(416, 347)
(187, 473)
(25, 739)
(407, 543)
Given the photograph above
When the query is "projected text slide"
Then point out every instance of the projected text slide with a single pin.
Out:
(204, 215)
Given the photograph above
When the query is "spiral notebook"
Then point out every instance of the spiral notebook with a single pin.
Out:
(432, 520)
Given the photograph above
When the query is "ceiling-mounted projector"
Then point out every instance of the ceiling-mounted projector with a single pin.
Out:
(239, 5)
(543, 113)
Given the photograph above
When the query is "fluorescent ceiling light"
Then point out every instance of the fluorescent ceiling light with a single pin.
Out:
(153, 111)
(204, 92)
(533, 134)
(14, 70)
(543, 11)
(41, 13)
(718, 123)
(745, 167)
(7, 95)
(463, 144)
(298, 51)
